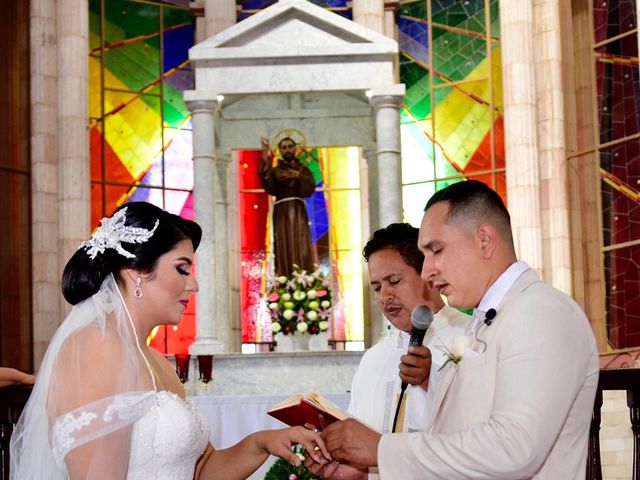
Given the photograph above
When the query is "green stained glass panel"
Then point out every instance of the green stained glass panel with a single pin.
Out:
(417, 98)
(415, 8)
(456, 55)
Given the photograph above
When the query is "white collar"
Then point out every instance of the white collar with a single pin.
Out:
(501, 286)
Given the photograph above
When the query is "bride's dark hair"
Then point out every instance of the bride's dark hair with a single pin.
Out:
(83, 276)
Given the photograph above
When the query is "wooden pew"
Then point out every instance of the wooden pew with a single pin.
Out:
(12, 401)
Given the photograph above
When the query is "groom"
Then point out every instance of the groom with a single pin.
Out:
(518, 403)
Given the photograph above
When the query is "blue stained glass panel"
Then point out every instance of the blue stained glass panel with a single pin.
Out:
(176, 46)
(318, 218)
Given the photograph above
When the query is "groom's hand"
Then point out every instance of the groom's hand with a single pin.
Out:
(339, 471)
(349, 441)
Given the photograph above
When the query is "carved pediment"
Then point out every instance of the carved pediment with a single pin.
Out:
(293, 28)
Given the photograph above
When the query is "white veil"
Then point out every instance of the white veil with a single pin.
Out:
(93, 384)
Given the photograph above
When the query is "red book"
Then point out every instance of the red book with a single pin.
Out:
(301, 409)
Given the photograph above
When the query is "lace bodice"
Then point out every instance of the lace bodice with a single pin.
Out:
(168, 440)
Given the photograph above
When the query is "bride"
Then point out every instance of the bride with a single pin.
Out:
(107, 406)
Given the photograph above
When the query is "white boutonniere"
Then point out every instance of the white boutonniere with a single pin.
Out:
(456, 350)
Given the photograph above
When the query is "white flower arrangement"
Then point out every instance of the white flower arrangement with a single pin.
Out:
(300, 302)
(455, 352)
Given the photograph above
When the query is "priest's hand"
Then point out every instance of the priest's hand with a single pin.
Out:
(415, 367)
(349, 441)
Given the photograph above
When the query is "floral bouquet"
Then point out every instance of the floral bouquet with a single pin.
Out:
(300, 302)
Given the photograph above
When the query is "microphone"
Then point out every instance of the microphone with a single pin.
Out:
(489, 316)
(421, 319)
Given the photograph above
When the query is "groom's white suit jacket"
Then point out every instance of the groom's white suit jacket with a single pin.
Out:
(518, 409)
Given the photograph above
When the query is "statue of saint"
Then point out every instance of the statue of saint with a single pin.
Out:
(289, 182)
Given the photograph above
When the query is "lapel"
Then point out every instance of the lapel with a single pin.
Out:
(527, 278)
(445, 382)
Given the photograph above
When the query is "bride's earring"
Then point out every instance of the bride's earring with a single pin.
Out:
(137, 292)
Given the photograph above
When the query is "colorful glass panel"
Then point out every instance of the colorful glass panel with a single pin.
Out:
(140, 128)
(451, 121)
(250, 7)
(341, 173)
(618, 108)
(622, 275)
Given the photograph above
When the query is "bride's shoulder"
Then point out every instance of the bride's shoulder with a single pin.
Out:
(93, 340)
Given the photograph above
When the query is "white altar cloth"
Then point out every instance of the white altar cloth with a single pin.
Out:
(233, 417)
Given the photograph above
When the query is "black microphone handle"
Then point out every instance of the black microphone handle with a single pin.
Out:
(417, 336)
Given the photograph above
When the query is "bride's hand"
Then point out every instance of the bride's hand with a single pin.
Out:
(279, 443)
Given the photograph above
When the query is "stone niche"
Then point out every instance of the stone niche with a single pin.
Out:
(292, 65)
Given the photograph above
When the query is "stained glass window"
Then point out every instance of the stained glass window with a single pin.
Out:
(615, 55)
(249, 7)
(452, 117)
(140, 128)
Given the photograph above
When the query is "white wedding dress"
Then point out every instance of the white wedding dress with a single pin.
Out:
(167, 438)
(167, 442)
(96, 389)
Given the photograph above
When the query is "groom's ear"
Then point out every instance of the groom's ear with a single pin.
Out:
(487, 237)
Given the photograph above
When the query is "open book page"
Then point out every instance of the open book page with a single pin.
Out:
(307, 408)
(325, 405)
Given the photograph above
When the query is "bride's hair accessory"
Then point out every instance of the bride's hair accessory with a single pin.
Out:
(112, 232)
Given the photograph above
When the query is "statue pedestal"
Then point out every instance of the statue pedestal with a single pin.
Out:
(302, 342)
(299, 342)
(319, 342)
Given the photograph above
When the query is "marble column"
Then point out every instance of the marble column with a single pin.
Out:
(369, 13)
(385, 174)
(521, 142)
(72, 28)
(552, 149)
(385, 195)
(204, 196)
(219, 15)
(45, 216)
(227, 334)
(378, 324)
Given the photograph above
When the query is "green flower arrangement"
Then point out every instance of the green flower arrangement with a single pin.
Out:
(300, 302)
(283, 470)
